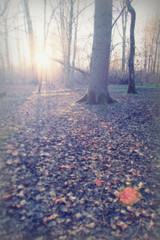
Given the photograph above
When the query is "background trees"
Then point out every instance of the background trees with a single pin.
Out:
(34, 34)
(151, 49)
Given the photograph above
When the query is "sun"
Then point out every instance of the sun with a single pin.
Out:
(41, 59)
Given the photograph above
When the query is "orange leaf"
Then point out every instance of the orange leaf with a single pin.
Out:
(129, 195)
(98, 182)
(57, 200)
(6, 196)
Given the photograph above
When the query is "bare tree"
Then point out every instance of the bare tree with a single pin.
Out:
(75, 37)
(157, 40)
(131, 86)
(5, 57)
(66, 29)
(31, 38)
(97, 92)
(124, 27)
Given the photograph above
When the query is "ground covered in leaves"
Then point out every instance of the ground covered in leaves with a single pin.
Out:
(63, 165)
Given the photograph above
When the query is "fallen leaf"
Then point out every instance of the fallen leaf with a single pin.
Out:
(122, 225)
(129, 195)
(90, 225)
(6, 196)
(150, 224)
(22, 203)
(15, 153)
(140, 185)
(98, 182)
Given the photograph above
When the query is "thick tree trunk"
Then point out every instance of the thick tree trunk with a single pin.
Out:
(97, 92)
(131, 86)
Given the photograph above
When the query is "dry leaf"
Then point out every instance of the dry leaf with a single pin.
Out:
(122, 225)
(23, 202)
(6, 196)
(98, 182)
(140, 185)
(90, 225)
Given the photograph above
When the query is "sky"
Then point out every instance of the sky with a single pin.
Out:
(145, 10)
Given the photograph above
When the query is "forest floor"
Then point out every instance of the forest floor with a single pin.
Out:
(63, 165)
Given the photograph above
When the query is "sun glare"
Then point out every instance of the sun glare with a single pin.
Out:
(42, 59)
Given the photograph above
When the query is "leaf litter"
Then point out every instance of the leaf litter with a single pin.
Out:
(64, 166)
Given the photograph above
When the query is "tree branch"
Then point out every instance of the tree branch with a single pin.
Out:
(75, 68)
(119, 15)
(4, 9)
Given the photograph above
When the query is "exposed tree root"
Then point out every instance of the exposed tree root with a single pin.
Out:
(131, 89)
(92, 99)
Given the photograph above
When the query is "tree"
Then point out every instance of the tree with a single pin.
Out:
(75, 38)
(151, 49)
(124, 26)
(31, 38)
(131, 86)
(66, 21)
(97, 92)
(7, 68)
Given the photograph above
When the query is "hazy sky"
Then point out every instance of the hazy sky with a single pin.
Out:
(146, 9)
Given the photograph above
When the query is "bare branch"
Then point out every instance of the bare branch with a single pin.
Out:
(75, 68)
(4, 9)
(83, 10)
(119, 15)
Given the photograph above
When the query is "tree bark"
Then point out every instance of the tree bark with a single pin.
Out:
(68, 80)
(75, 39)
(124, 27)
(7, 57)
(31, 38)
(97, 92)
(131, 86)
(156, 50)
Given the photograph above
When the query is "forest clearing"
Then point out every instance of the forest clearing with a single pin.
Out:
(63, 165)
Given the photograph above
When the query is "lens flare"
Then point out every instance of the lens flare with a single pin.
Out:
(42, 59)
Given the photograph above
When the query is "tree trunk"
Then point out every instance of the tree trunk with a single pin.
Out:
(7, 57)
(31, 38)
(156, 51)
(97, 92)
(75, 39)
(64, 41)
(2, 70)
(68, 80)
(44, 26)
(131, 86)
(124, 26)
